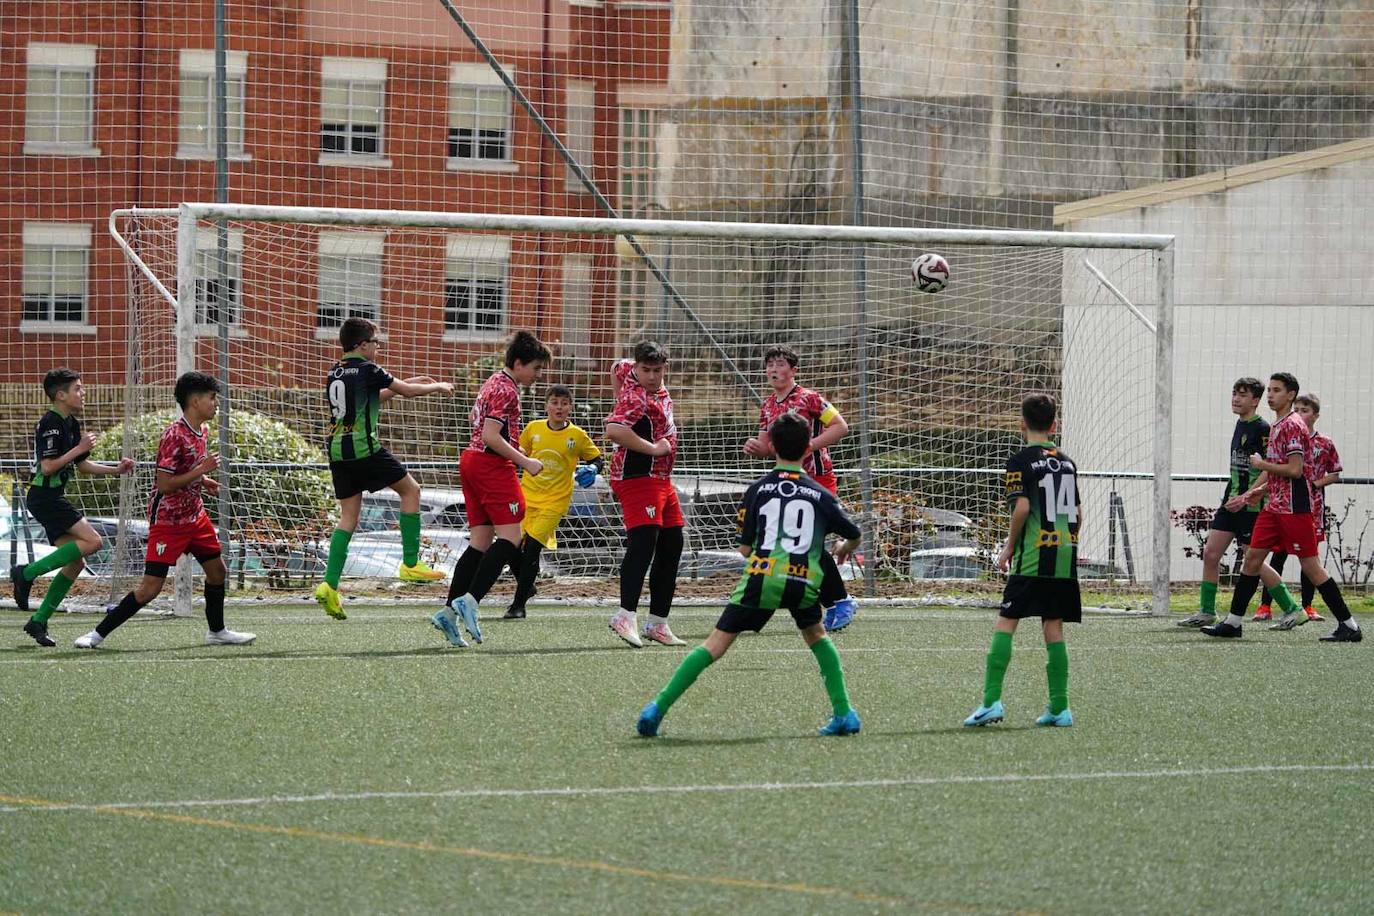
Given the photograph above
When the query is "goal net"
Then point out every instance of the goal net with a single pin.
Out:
(929, 384)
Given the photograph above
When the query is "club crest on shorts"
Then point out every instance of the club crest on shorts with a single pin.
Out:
(650, 510)
(514, 507)
(161, 548)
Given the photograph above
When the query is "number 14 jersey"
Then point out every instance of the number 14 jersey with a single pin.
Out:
(1048, 546)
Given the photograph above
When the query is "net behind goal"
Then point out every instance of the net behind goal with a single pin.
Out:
(929, 384)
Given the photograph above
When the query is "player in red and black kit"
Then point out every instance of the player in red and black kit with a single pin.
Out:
(1285, 524)
(492, 497)
(641, 426)
(827, 428)
(177, 521)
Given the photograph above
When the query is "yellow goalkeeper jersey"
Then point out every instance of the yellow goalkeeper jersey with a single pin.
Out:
(560, 450)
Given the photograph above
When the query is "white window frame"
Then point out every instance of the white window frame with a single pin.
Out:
(479, 77)
(45, 240)
(636, 160)
(580, 118)
(207, 251)
(578, 288)
(199, 66)
(60, 59)
(352, 74)
(352, 252)
(462, 255)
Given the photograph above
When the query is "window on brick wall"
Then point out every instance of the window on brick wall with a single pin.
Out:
(577, 307)
(56, 277)
(476, 273)
(350, 279)
(219, 294)
(638, 160)
(59, 100)
(479, 118)
(352, 111)
(196, 135)
(581, 138)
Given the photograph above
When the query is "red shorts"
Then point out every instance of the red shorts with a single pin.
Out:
(829, 482)
(491, 491)
(649, 501)
(166, 543)
(1290, 534)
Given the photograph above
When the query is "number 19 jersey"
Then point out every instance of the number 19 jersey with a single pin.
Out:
(354, 389)
(1047, 478)
(784, 518)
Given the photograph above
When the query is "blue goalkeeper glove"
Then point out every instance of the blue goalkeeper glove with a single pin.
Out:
(585, 475)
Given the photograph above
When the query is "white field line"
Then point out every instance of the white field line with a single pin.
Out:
(715, 788)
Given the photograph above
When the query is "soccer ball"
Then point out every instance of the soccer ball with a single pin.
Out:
(931, 272)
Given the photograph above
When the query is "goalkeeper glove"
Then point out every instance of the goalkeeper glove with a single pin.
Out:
(585, 475)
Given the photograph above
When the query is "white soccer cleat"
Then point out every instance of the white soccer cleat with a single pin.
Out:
(227, 637)
(660, 633)
(623, 625)
(91, 640)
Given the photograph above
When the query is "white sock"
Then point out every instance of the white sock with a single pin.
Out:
(1235, 620)
(621, 612)
(1350, 622)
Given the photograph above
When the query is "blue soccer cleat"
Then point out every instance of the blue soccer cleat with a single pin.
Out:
(841, 615)
(986, 715)
(847, 724)
(649, 719)
(466, 609)
(1059, 720)
(444, 621)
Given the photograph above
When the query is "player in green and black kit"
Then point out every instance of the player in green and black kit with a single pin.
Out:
(784, 520)
(59, 450)
(1041, 559)
(1236, 517)
(356, 387)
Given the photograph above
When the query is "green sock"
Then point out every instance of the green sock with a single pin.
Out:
(1284, 598)
(338, 552)
(697, 661)
(1207, 600)
(833, 675)
(410, 537)
(55, 560)
(53, 599)
(999, 656)
(1057, 673)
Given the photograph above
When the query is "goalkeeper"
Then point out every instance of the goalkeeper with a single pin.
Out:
(568, 455)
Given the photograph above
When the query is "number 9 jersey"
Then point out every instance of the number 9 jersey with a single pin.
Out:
(1047, 478)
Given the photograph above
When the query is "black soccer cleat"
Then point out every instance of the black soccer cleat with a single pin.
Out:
(514, 612)
(1343, 633)
(1222, 629)
(39, 632)
(22, 587)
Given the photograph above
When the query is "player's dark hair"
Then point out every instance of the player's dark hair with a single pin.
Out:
(558, 391)
(651, 353)
(1311, 400)
(524, 347)
(780, 350)
(790, 435)
(57, 380)
(1249, 385)
(355, 332)
(193, 383)
(1039, 411)
(1290, 381)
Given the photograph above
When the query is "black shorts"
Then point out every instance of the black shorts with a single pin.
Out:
(50, 507)
(1034, 596)
(736, 618)
(1241, 524)
(370, 474)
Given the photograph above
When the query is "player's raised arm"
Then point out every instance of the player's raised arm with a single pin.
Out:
(416, 387)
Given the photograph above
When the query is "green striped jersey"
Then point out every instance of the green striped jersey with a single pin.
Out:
(1047, 478)
(784, 518)
(54, 436)
(354, 388)
(1250, 437)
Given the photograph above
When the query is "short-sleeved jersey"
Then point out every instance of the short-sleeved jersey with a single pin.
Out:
(784, 519)
(1048, 479)
(1290, 495)
(559, 450)
(497, 399)
(650, 415)
(54, 436)
(181, 448)
(354, 389)
(1325, 460)
(1250, 437)
(812, 407)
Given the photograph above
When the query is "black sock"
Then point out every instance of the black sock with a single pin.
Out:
(127, 607)
(832, 586)
(464, 571)
(1331, 594)
(493, 564)
(1276, 562)
(1244, 591)
(528, 571)
(663, 574)
(214, 606)
(639, 553)
(1309, 591)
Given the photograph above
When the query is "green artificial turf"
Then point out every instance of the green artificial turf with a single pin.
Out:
(517, 785)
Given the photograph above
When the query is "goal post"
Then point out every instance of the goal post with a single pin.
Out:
(1087, 316)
